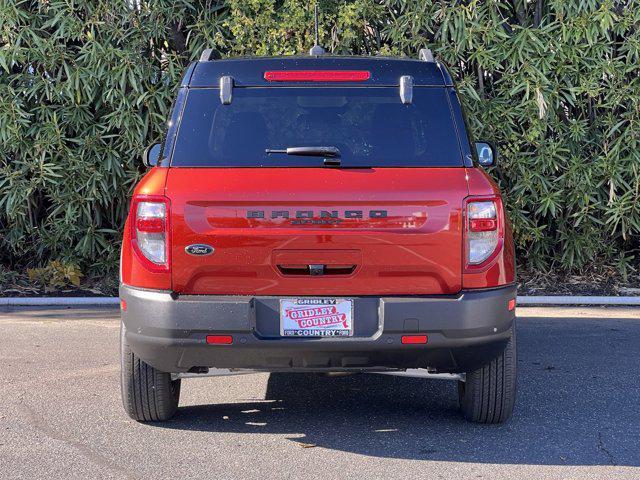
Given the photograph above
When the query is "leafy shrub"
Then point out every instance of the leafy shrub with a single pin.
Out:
(55, 275)
(86, 85)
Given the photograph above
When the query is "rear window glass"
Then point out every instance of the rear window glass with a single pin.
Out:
(369, 126)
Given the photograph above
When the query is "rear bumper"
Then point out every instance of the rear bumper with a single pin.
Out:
(464, 332)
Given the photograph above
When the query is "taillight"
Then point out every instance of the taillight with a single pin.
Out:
(150, 231)
(484, 231)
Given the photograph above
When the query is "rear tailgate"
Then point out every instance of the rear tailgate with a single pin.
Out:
(317, 231)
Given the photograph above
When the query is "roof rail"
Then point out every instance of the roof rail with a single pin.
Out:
(426, 55)
(209, 54)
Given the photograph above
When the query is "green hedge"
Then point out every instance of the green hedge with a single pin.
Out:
(86, 85)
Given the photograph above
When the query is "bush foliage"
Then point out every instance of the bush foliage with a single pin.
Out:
(86, 85)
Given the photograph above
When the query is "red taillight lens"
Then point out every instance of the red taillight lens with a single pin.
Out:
(150, 225)
(483, 224)
(150, 231)
(484, 232)
(317, 75)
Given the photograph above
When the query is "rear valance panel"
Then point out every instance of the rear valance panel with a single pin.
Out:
(251, 72)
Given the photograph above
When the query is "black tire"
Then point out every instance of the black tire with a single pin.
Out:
(489, 393)
(148, 395)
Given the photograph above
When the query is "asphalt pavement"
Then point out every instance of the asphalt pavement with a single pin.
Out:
(577, 413)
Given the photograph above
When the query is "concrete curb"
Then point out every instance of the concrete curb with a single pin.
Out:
(577, 300)
(522, 301)
(58, 301)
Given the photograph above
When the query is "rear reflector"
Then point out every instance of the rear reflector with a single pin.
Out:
(123, 305)
(412, 339)
(219, 339)
(317, 75)
(512, 304)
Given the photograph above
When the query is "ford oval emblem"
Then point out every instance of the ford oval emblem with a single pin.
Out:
(199, 249)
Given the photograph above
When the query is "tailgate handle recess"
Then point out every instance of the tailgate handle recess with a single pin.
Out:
(316, 270)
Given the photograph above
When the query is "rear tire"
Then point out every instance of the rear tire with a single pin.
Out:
(148, 395)
(489, 393)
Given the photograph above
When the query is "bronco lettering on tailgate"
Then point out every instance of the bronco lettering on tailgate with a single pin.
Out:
(310, 217)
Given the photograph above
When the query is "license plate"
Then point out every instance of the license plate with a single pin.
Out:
(316, 317)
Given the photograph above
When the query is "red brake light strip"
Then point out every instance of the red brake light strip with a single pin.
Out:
(317, 75)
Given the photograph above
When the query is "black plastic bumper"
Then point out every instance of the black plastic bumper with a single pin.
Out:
(464, 332)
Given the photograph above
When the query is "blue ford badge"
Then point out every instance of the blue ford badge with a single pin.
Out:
(199, 249)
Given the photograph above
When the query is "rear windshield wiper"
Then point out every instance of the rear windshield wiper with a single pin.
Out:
(332, 152)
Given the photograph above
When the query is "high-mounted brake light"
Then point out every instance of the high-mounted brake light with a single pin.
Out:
(317, 75)
(150, 231)
(484, 231)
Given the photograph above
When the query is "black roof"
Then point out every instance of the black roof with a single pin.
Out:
(249, 71)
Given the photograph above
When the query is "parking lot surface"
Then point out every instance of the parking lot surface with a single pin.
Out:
(577, 413)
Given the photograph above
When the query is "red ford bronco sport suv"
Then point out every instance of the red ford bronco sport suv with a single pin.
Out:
(318, 214)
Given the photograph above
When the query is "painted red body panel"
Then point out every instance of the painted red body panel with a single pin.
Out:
(132, 269)
(415, 249)
(501, 270)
